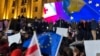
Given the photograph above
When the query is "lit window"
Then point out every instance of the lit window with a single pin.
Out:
(13, 5)
(23, 10)
(36, 9)
(35, 0)
(13, 11)
(23, 2)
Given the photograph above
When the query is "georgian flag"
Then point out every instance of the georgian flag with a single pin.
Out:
(53, 12)
(49, 10)
(33, 49)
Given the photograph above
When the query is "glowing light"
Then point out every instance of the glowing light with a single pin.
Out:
(4, 16)
(28, 16)
(71, 17)
(15, 17)
(90, 2)
(97, 5)
(72, 12)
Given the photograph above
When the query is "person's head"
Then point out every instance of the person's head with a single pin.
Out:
(69, 34)
(3, 42)
(29, 25)
(43, 20)
(68, 51)
(93, 20)
(84, 21)
(13, 46)
(81, 20)
(26, 35)
(36, 20)
(82, 54)
(16, 52)
(76, 51)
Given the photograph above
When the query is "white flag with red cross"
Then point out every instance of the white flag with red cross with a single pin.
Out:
(49, 10)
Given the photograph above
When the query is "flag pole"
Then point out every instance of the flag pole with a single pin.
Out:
(59, 46)
(38, 44)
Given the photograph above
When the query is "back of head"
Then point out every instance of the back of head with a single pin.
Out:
(16, 52)
(68, 51)
(13, 47)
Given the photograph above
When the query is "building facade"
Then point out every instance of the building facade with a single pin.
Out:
(27, 8)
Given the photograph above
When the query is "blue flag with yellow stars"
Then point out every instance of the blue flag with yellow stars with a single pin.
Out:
(91, 10)
(49, 43)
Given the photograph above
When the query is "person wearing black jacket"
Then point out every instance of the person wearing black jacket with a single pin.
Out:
(82, 30)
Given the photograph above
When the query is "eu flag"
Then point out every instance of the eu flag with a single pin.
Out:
(49, 43)
(91, 10)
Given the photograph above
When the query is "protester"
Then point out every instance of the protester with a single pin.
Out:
(83, 30)
(3, 45)
(15, 50)
(94, 26)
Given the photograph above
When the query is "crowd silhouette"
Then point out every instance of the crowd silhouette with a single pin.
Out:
(77, 31)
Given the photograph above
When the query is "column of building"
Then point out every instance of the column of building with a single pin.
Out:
(7, 9)
(37, 8)
(28, 8)
(2, 3)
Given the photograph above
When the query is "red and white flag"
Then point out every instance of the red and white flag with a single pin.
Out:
(49, 10)
(50, 13)
(33, 49)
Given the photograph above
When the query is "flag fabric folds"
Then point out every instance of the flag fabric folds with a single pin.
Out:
(26, 43)
(49, 43)
(16, 38)
(90, 10)
(54, 11)
(49, 12)
(33, 49)
(66, 4)
(75, 5)
(61, 11)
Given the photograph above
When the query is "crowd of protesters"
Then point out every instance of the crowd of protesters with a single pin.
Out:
(77, 31)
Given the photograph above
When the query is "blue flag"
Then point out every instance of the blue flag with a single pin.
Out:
(91, 10)
(49, 43)
(65, 4)
(26, 43)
